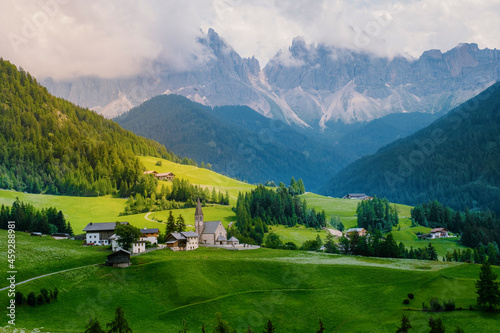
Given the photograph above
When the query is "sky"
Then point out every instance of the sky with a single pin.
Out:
(115, 38)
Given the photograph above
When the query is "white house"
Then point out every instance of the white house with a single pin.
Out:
(439, 233)
(137, 247)
(99, 233)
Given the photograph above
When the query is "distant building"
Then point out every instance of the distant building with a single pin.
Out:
(360, 231)
(165, 176)
(335, 232)
(120, 258)
(150, 172)
(439, 233)
(61, 236)
(36, 233)
(99, 233)
(182, 241)
(357, 196)
(211, 232)
(150, 235)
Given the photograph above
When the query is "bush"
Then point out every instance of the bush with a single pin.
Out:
(425, 307)
(45, 295)
(411, 296)
(450, 305)
(20, 298)
(40, 300)
(31, 299)
(406, 301)
(436, 305)
(158, 163)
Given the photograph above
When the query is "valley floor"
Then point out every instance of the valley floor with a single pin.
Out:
(292, 288)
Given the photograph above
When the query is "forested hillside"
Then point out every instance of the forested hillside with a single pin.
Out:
(235, 140)
(455, 160)
(49, 145)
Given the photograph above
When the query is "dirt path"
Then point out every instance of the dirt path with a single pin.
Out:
(44, 275)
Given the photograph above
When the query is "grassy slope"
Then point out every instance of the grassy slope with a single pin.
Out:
(199, 176)
(248, 287)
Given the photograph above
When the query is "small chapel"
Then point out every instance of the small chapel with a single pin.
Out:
(210, 232)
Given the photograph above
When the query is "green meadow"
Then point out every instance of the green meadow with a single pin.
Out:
(292, 288)
(198, 176)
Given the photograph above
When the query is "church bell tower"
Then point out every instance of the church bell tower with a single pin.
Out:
(198, 218)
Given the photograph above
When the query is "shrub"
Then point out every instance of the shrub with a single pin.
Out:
(158, 163)
(45, 295)
(411, 296)
(20, 298)
(450, 305)
(436, 305)
(56, 292)
(31, 299)
(40, 300)
(406, 301)
(425, 307)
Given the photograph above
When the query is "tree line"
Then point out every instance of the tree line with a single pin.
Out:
(30, 219)
(377, 214)
(261, 207)
(479, 230)
(182, 195)
(49, 145)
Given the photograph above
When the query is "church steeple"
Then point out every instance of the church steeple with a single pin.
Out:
(198, 218)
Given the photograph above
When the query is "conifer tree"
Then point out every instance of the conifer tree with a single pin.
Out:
(321, 327)
(436, 325)
(181, 224)
(487, 287)
(119, 324)
(170, 224)
(93, 326)
(405, 325)
(269, 328)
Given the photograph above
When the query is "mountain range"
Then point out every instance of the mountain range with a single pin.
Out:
(310, 85)
(455, 160)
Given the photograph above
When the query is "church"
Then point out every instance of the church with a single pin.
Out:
(210, 232)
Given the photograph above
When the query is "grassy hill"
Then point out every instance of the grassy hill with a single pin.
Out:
(82, 210)
(293, 289)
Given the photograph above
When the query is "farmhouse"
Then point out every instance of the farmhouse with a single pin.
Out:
(182, 241)
(150, 172)
(99, 233)
(165, 176)
(120, 258)
(211, 232)
(357, 196)
(61, 236)
(150, 235)
(137, 247)
(360, 231)
(439, 233)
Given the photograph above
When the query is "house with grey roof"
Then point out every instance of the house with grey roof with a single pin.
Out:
(211, 232)
(357, 196)
(99, 233)
(182, 241)
(149, 235)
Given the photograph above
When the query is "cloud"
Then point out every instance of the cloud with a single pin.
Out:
(111, 38)
(62, 38)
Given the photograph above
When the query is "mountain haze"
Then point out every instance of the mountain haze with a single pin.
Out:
(455, 160)
(308, 85)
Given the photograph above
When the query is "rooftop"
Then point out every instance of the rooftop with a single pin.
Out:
(105, 226)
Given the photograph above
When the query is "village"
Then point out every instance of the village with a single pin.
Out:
(207, 234)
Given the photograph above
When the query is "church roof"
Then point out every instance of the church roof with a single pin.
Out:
(210, 227)
(198, 210)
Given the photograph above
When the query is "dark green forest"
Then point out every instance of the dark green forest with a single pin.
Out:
(261, 207)
(47, 220)
(49, 145)
(235, 140)
(456, 160)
